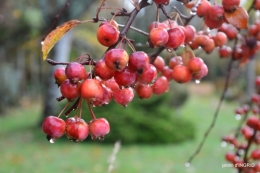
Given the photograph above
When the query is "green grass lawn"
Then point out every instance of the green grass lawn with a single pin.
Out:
(23, 148)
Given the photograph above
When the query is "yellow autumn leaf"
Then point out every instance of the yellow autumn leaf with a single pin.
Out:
(54, 36)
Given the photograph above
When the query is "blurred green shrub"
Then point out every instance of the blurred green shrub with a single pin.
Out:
(147, 121)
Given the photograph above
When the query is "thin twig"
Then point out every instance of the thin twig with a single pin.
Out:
(215, 114)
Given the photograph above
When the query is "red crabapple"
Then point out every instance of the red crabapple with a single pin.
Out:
(59, 75)
(77, 129)
(159, 63)
(181, 74)
(70, 90)
(160, 85)
(138, 61)
(123, 96)
(75, 72)
(176, 38)
(144, 91)
(116, 59)
(98, 128)
(107, 35)
(91, 89)
(148, 76)
(53, 127)
(159, 36)
(102, 71)
(126, 77)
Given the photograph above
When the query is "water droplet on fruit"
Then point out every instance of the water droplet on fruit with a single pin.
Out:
(93, 138)
(52, 141)
(187, 164)
(42, 43)
(223, 144)
(170, 50)
(199, 47)
(101, 138)
(231, 147)
(66, 116)
(193, 11)
(238, 116)
(197, 81)
(182, 45)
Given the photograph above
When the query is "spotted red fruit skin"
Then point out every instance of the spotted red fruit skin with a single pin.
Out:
(77, 130)
(216, 12)
(116, 59)
(59, 75)
(98, 128)
(160, 85)
(70, 90)
(103, 71)
(138, 61)
(91, 89)
(123, 96)
(53, 126)
(176, 38)
(75, 71)
(127, 77)
(107, 35)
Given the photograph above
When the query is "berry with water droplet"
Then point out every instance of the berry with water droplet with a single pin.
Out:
(98, 128)
(76, 129)
(53, 127)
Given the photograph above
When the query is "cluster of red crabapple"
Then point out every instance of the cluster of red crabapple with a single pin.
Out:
(244, 157)
(117, 74)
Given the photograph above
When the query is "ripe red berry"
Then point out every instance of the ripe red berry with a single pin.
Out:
(181, 74)
(160, 85)
(116, 59)
(70, 90)
(213, 23)
(220, 39)
(190, 33)
(177, 60)
(75, 72)
(110, 22)
(176, 38)
(203, 8)
(230, 5)
(167, 72)
(126, 77)
(257, 167)
(253, 122)
(157, 25)
(230, 157)
(107, 35)
(257, 4)
(148, 76)
(59, 75)
(91, 89)
(53, 127)
(159, 63)
(123, 96)
(202, 73)
(256, 154)
(216, 12)
(103, 71)
(195, 65)
(98, 128)
(225, 51)
(107, 97)
(159, 36)
(247, 132)
(144, 91)
(111, 83)
(138, 61)
(76, 129)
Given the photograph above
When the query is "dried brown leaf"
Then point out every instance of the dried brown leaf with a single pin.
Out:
(54, 36)
(237, 18)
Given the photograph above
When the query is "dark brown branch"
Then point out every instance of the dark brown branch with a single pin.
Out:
(73, 107)
(52, 62)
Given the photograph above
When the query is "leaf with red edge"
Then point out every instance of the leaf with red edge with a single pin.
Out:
(237, 18)
(187, 54)
(54, 36)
